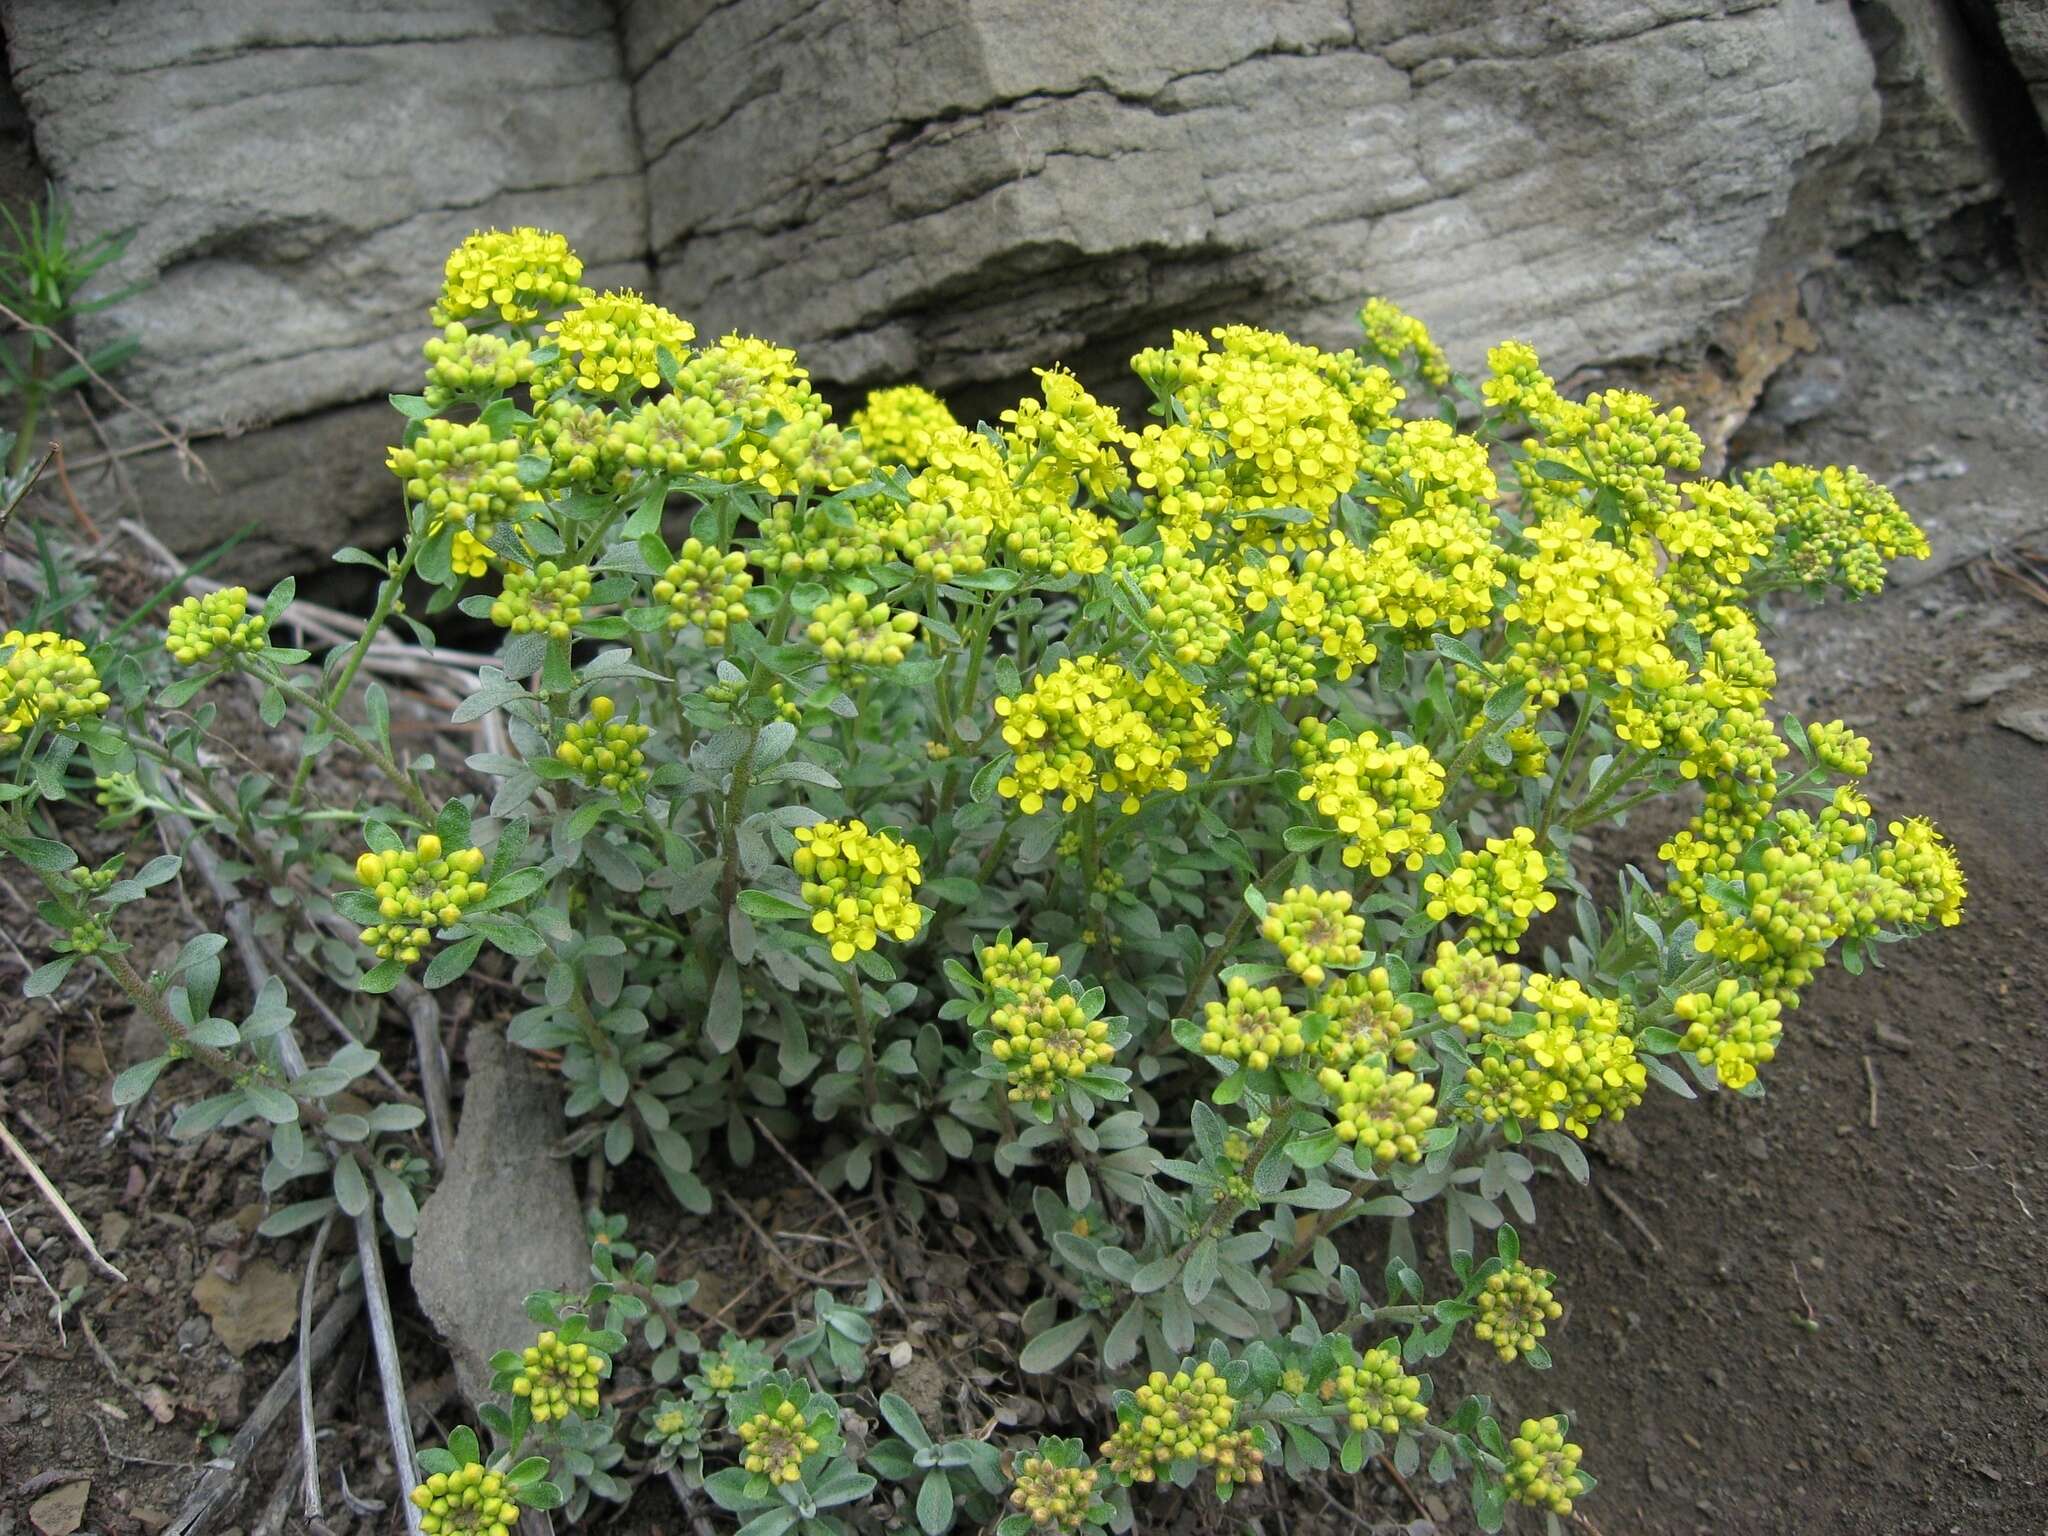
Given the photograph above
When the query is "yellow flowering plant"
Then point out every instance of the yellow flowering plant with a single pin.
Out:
(1184, 820)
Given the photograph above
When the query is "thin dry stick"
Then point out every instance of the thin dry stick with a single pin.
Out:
(1629, 1212)
(888, 1291)
(56, 1301)
(688, 1500)
(384, 1343)
(1870, 1076)
(58, 1204)
(309, 1447)
(159, 1410)
(175, 441)
(223, 1476)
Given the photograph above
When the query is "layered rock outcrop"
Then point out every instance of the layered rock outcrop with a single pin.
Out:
(957, 189)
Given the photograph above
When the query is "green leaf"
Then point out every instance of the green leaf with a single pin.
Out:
(770, 907)
(722, 1019)
(1508, 1242)
(935, 1504)
(1305, 839)
(1050, 1349)
(381, 977)
(132, 1084)
(271, 1102)
(412, 408)
(454, 962)
(985, 779)
(292, 1218)
(904, 1420)
(45, 979)
(349, 1188)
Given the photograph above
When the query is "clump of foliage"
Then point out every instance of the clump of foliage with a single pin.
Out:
(1184, 821)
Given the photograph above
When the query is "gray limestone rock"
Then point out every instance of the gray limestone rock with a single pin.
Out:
(504, 1220)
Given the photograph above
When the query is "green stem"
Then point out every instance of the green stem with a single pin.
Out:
(729, 827)
(331, 718)
(865, 1028)
(1564, 766)
(1278, 1118)
(387, 601)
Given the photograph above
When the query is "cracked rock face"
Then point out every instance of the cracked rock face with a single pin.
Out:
(959, 189)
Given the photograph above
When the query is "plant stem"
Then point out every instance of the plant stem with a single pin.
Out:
(865, 1028)
(729, 825)
(1564, 766)
(1278, 1117)
(386, 763)
(387, 600)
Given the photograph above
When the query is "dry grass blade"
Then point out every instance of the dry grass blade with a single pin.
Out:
(58, 1204)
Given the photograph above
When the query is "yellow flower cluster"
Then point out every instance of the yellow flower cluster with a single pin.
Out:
(1089, 726)
(900, 426)
(705, 588)
(514, 275)
(1045, 1041)
(1543, 1466)
(45, 676)
(1187, 1416)
(959, 498)
(1366, 1021)
(860, 885)
(1378, 793)
(1732, 1029)
(1382, 1113)
(1313, 929)
(1514, 1304)
(547, 600)
(1251, 1025)
(609, 346)
(1403, 340)
(671, 435)
(463, 364)
(1585, 606)
(1837, 525)
(1716, 725)
(583, 445)
(199, 627)
(1052, 1497)
(1042, 1038)
(558, 1379)
(1020, 967)
(1375, 1393)
(1265, 427)
(466, 478)
(1066, 443)
(1427, 465)
(418, 890)
(1799, 903)
(854, 631)
(1712, 536)
(775, 1442)
(785, 440)
(1498, 890)
(607, 753)
(1573, 1067)
(1472, 989)
(1191, 604)
(1840, 749)
(1924, 870)
(470, 1501)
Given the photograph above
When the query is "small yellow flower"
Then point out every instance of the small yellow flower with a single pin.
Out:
(860, 885)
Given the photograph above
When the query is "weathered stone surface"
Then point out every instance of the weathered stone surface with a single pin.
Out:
(972, 186)
(294, 171)
(959, 189)
(504, 1220)
(2024, 26)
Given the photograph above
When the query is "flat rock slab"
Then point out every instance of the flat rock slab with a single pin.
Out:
(504, 1220)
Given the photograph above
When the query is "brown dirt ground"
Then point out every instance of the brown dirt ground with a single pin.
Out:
(1782, 1317)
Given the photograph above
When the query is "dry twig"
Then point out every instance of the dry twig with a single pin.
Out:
(58, 1204)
